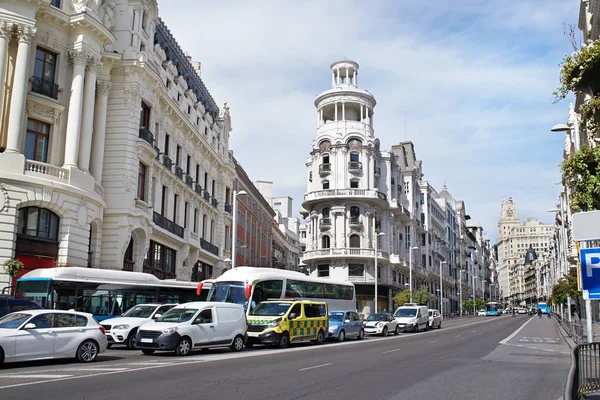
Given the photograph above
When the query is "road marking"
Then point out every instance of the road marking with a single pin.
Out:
(435, 341)
(473, 331)
(36, 376)
(515, 333)
(150, 363)
(316, 366)
(391, 351)
(458, 336)
(93, 369)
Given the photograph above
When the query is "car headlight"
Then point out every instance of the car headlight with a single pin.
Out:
(379, 325)
(118, 327)
(333, 327)
(168, 331)
(274, 323)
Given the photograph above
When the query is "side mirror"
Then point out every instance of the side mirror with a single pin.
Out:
(346, 321)
(157, 316)
(29, 326)
(293, 316)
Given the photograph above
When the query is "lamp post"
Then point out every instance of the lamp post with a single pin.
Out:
(473, 249)
(376, 272)
(564, 268)
(460, 290)
(442, 290)
(410, 285)
(234, 230)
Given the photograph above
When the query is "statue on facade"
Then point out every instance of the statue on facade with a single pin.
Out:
(107, 15)
(87, 6)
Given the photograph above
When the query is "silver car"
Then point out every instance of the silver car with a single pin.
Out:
(435, 319)
(46, 334)
(381, 324)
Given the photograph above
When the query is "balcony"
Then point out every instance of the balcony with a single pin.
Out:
(198, 189)
(146, 135)
(208, 246)
(44, 87)
(167, 224)
(189, 181)
(206, 196)
(354, 166)
(167, 162)
(377, 172)
(179, 172)
(325, 169)
(355, 222)
(349, 193)
(228, 208)
(40, 168)
(344, 252)
(214, 202)
(325, 223)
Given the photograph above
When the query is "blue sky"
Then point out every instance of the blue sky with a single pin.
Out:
(475, 80)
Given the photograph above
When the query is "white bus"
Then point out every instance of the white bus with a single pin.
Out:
(102, 292)
(251, 285)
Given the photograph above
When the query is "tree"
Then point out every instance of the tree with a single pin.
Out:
(479, 304)
(421, 297)
(567, 286)
(582, 171)
(467, 305)
(401, 298)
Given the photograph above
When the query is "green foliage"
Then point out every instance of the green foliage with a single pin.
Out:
(479, 304)
(575, 66)
(567, 286)
(467, 305)
(421, 297)
(590, 117)
(582, 170)
(12, 267)
(401, 298)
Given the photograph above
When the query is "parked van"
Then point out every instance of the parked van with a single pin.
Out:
(281, 322)
(195, 325)
(412, 317)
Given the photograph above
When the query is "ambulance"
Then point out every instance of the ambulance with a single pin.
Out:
(281, 322)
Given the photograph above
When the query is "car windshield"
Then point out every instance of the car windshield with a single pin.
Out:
(178, 315)
(405, 312)
(271, 309)
(14, 320)
(336, 316)
(140, 312)
(376, 317)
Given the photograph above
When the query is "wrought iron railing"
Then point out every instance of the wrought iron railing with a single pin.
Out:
(229, 208)
(179, 172)
(325, 222)
(189, 181)
(206, 195)
(167, 224)
(214, 202)
(44, 87)
(355, 221)
(198, 188)
(208, 246)
(167, 162)
(584, 376)
(325, 169)
(354, 166)
(146, 135)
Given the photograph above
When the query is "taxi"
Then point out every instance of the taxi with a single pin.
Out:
(281, 322)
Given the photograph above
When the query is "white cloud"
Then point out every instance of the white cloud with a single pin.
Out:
(475, 80)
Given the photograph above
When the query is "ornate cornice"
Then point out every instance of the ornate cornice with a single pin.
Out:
(103, 87)
(78, 57)
(26, 33)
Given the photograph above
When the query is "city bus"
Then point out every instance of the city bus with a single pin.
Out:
(101, 292)
(249, 286)
(543, 306)
(492, 309)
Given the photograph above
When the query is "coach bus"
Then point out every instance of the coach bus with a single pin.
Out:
(249, 286)
(492, 309)
(101, 292)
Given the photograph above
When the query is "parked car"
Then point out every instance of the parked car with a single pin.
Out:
(522, 310)
(435, 319)
(345, 324)
(195, 325)
(123, 329)
(481, 313)
(412, 317)
(45, 334)
(381, 324)
(9, 305)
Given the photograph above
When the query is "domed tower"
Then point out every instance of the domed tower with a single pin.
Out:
(349, 183)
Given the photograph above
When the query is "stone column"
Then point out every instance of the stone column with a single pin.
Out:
(335, 113)
(19, 92)
(79, 60)
(102, 89)
(87, 125)
(354, 78)
(332, 78)
(5, 34)
(343, 110)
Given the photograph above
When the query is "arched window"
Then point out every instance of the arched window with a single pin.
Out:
(354, 212)
(38, 222)
(355, 241)
(326, 212)
(325, 242)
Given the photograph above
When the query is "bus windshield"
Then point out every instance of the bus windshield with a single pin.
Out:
(34, 290)
(271, 309)
(230, 292)
(491, 307)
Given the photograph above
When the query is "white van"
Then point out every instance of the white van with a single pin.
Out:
(195, 325)
(412, 317)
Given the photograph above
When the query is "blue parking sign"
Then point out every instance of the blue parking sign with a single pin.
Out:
(590, 273)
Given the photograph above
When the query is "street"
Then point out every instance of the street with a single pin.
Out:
(472, 358)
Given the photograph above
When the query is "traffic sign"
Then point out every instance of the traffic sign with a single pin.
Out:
(590, 273)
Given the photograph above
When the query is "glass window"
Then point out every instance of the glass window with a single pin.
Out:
(355, 241)
(45, 65)
(326, 212)
(356, 270)
(69, 321)
(323, 270)
(205, 317)
(42, 321)
(325, 185)
(354, 157)
(353, 184)
(36, 140)
(38, 222)
(265, 290)
(141, 190)
(314, 310)
(325, 242)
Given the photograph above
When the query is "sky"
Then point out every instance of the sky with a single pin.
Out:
(469, 82)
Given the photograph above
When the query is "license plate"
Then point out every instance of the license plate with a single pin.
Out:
(252, 334)
(400, 326)
(146, 340)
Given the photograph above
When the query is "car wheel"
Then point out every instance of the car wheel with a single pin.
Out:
(184, 346)
(341, 336)
(397, 331)
(87, 351)
(108, 346)
(416, 328)
(1, 356)
(440, 325)
(361, 334)
(320, 337)
(426, 327)
(131, 341)
(148, 352)
(284, 340)
(249, 344)
(238, 343)
(385, 331)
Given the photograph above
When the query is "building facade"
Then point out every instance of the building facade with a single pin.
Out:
(116, 155)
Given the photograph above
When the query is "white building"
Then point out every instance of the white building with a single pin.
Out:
(116, 156)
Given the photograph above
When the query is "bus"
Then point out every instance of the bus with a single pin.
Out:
(101, 292)
(492, 309)
(543, 306)
(251, 285)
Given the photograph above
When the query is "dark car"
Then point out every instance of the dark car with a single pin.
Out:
(9, 305)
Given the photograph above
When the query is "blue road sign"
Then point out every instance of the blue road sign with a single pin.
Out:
(590, 273)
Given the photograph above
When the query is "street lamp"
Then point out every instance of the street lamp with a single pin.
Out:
(234, 230)
(410, 285)
(376, 277)
(442, 290)
(564, 246)
(473, 249)
(460, 290)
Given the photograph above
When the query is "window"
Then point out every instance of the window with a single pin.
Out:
(145, 118)
(325, 185)
(178, 156)
(326, 212)
(55, 3)
(354, 184)
(141, 189)
(69, 321)
(175, 204)
(356, 270)
(354, 157)
(188, 165)
(144, 19)
(314, 310)
(265, 290)
(197, 173)
(167, 137)
(185, 215)
(36, 140)
(326, 159)
(325, 242)
(44, 67)
(354, 212)
(38, 222)
(160, 260)
(323, 270)
(163, 202)
(195, 220)
(355, 241)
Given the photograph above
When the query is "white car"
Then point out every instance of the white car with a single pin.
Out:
(435, 319)
(122, 330)
(44, 334)
(481, 313)
(381, 324)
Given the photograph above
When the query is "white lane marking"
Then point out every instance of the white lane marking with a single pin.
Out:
(150, 363)
(315, 366)
(435, 341)
(458, 336)
(515, 333)
(35, 376)
(391, 351)
(94, 369)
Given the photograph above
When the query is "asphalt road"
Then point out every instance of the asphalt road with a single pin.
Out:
(478, 358)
